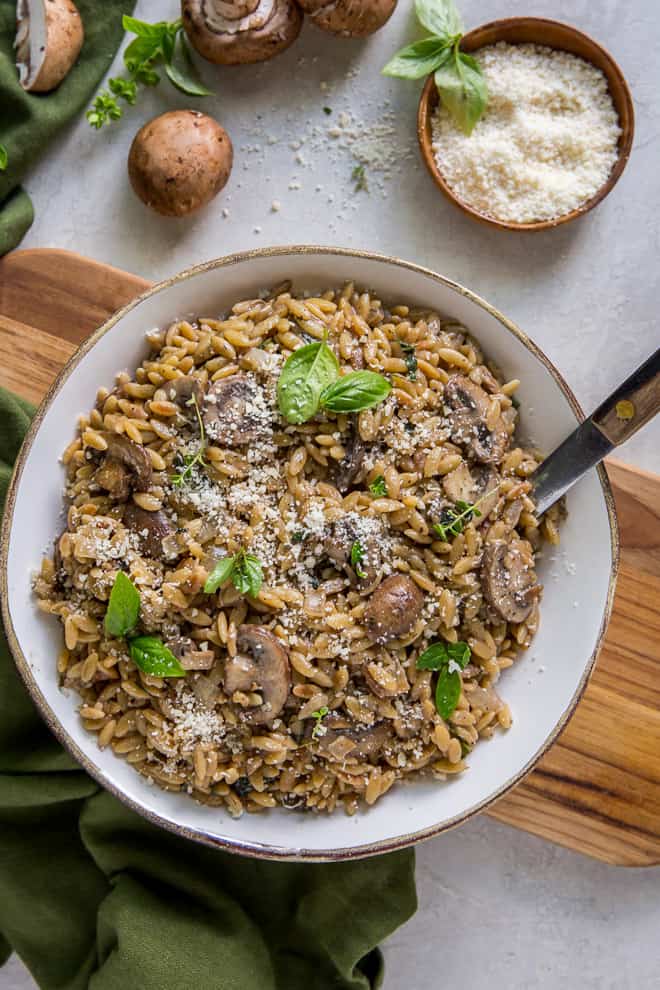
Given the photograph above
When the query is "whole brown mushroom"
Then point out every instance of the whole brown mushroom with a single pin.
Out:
(179, 161)
(49, 36)
(350, 18)
(237, 32)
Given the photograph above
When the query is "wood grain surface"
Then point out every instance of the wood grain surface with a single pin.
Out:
(598, 789)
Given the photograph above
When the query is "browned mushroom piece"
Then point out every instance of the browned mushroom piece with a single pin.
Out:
(236, 32)
(151, 528)
(349, 468)
(509, 579)
(261, 664)
(189, 655)
(408, 721)
(469, 405)
(338, 544)
(476, 483)
(395, 607)
(131, 456)
(185, 392)
(349, 18)
(386, 677)
(115, 478)
(343, 739)
(232, 413)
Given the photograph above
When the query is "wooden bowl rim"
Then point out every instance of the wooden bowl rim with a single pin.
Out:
(428, 101)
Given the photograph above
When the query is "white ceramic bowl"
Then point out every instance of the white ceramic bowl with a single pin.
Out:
(542, 688)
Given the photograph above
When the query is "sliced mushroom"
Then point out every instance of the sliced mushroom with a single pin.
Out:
(338, 545)
(342, 739)
(231, 415)
(49, 36)
(395, 607)
(509, 579)
(236, 32)
(115, 478)
(349, 468)
(189, 656)
(151, 528)
(477, 483)
(185, 392)
(133, 456)
(261, 664)
(386, 677)
(350, 18)
(408, 721)
(469, 404)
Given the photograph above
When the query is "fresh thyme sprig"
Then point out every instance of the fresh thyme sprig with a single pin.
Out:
(452, 523)
(190, 460)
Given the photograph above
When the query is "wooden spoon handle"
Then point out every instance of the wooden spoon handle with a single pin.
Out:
(632, 404)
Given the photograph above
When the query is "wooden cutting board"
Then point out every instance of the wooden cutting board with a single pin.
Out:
(598, 789)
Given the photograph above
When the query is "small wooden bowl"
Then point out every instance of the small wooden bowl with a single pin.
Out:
(553, 34)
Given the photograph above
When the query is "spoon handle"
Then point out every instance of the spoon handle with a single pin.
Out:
(628, 408)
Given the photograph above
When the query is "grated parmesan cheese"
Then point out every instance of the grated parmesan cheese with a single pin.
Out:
(546, 144)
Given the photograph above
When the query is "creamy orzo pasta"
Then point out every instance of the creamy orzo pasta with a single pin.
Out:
(306, 611)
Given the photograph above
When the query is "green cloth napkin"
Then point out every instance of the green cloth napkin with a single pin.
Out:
(91, 895)
(29, 121)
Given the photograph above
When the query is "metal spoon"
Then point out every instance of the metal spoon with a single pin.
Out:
(628, 408)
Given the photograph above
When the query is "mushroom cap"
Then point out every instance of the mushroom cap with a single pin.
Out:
(261, 664)
(230, 415)
(472, 483)
(189, 655)
(394, 608)
(243, 32)
(151, 528)
(344, 739)
(115, 478)
(469, 406)
(181, 391)
(351, 18)
(509, 579)
(179, 161)
(338, 544)
(49, 36)
(133, 456)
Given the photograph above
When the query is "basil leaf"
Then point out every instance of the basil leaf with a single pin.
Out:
(182, 73)
(123, 607)
(306, 373)
(440, 17)
(460, 653)
(438, 655)
(419, 59)
(4, 158)
(356, 391)
(462, 89)
(247, 575)
(138, 59)
(447, 692)
(441, 657)
(142, 28)
(152, 657)
(219, 575)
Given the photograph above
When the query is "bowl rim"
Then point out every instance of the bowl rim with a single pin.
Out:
(255, 849)
(424, 109)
